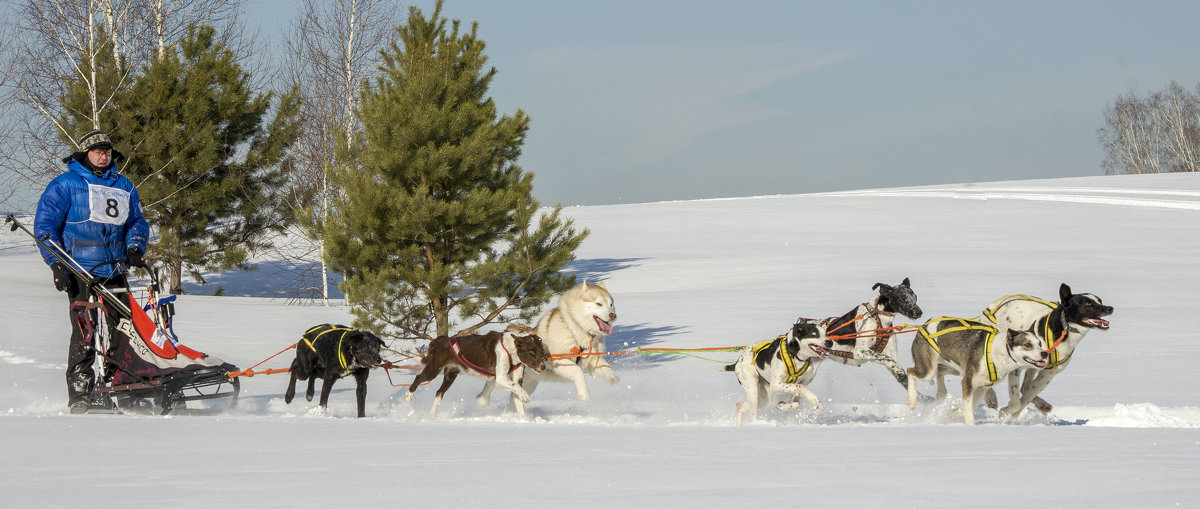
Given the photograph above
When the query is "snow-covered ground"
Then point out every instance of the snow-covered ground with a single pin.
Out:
(690, 274)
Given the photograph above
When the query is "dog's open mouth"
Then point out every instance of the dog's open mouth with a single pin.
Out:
(1039, 363)
(605, 327)
(820, 350)
(1096, 323)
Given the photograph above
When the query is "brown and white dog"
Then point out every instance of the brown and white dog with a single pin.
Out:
(498, 357)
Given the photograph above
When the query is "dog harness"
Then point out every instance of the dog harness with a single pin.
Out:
(793, 372)
(868, 311)
(964, 324)
(311, 342)
(1047, 335)
(990, 313)
(486, 372)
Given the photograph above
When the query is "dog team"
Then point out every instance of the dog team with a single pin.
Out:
(1023, 339)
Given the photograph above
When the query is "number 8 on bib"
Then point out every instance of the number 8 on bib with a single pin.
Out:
(109, 205)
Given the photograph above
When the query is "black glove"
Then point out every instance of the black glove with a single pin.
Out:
(134, 258)
(63, 278)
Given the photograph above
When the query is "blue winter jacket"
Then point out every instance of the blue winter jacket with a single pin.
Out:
(93, 218)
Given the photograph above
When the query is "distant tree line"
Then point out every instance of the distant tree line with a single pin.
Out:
(1158, 133)
(378, 155)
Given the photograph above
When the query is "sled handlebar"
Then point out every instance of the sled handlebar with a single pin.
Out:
(55, 250)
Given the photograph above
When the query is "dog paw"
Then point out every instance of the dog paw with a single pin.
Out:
(990, 399)
(613, 379)
(787, 405)
(408, 396)
(523, 396)
(482, 400)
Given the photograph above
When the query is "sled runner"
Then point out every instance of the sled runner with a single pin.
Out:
(144, 366)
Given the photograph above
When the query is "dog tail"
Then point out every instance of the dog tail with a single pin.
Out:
(729, 367)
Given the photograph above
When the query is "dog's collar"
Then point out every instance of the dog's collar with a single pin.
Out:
(1053, 342)
(874, 308)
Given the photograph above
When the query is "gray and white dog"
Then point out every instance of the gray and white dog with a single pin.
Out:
(971, 349)
(877, 313)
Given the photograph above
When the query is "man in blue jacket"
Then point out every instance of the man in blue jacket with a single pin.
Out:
(95, 215)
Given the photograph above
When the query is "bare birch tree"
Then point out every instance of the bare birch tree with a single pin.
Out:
(60, 46)
(10, 181)
(333, 48)
(168, 20)
(1156, 134)
(1179, 112)
(57, 44)
(1130, 137)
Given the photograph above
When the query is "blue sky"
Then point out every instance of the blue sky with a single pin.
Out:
(635, 101)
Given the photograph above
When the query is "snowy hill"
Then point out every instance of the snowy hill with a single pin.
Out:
(1125, 431)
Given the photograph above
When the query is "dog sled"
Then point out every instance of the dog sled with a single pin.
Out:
(143, 367)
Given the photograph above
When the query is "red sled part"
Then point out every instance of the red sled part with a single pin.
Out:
(148, 330)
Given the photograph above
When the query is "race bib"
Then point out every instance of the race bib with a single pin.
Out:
(109, 205)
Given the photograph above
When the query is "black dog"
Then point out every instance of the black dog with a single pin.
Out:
(330, 352)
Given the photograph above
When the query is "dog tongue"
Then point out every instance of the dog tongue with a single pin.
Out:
(605, 327)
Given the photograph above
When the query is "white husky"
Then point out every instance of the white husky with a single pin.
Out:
(578, 324)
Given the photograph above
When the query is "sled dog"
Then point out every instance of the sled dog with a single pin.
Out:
(578, 323)
(1064, 323)
(498, 357)
(957, 346)
(784, 365)
(877, 313)
(330, 352)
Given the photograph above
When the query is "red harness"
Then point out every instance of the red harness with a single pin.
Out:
(486, 372)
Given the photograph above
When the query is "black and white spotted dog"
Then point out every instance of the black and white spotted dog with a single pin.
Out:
(1064, 323)
(784, 365)
(877, 313)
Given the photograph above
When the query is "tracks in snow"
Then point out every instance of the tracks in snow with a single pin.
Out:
(1141, 198)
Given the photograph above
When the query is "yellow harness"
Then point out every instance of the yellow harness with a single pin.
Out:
(964, 324)
(345, 330)
(1048, 337)
(1047, 334)
(793, 372)
(990, 312)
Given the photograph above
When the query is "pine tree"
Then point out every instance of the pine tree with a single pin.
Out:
(436, 222)
(207, 161)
